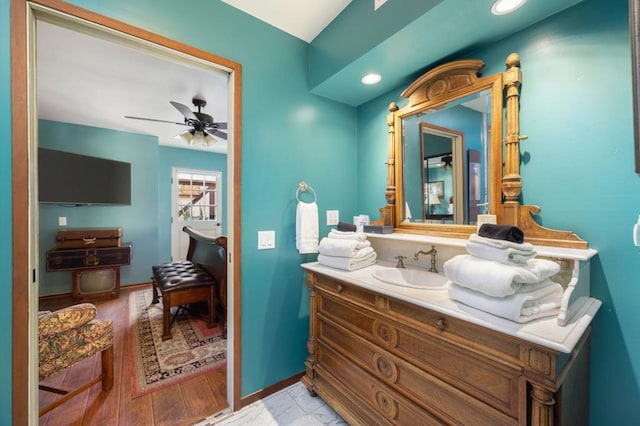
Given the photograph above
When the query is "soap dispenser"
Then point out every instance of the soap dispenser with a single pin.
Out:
(486, 216)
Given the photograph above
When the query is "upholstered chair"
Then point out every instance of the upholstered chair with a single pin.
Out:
(68, 336)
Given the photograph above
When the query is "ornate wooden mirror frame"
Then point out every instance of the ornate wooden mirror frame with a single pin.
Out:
(444, 84)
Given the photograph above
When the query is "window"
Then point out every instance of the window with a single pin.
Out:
(197, 195)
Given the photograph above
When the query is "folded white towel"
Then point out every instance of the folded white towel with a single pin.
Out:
(477, 246)
(347, 235)
(540, 300)
(494, 278)
(348, 263)
(342, 247)
(307, 228)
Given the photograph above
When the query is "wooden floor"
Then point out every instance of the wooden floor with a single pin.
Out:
(182, 404)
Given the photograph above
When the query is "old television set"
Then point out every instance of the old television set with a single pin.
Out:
(96, 283)
(74, 179)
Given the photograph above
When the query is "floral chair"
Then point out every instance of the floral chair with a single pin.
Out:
(66, 337)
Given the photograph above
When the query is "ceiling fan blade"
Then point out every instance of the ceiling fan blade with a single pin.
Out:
(153, 119)
(217, 133)
(184, 110)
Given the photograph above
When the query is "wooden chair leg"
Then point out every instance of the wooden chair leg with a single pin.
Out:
(211, 322)
(107, 368)
(166, 317)
(155, 291)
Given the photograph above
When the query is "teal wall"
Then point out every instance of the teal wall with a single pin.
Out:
(288, 135)
(577, 164)
(146, 223)
(137, 220)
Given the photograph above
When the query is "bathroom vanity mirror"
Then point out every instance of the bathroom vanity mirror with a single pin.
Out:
(450, 157)
(444, 162)
(445, 182)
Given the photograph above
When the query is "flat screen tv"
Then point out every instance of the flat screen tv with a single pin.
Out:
(67, 178)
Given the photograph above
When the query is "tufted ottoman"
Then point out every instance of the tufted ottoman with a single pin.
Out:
(181, 283)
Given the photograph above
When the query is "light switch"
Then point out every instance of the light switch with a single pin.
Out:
(266, 240)
(333, 216)
(62, 221)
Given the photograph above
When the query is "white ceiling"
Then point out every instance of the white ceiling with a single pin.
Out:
(92, 81)
(86, 80)
(304, 19)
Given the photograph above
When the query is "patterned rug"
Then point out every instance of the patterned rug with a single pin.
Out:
(193, 349)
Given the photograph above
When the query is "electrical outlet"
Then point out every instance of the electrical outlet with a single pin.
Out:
(266, 240)
(333, 216)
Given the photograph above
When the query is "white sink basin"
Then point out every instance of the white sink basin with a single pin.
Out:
(410, 277)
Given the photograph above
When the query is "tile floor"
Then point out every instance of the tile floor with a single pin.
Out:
(292, 406)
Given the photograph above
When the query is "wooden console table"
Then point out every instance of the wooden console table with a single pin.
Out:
(96, 271)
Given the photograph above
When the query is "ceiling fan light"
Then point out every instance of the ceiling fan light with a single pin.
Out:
(186, 136)
(209, 140)
(199, 138)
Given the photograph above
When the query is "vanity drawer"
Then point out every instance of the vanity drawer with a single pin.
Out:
(423, 380)
(385, 405)
(352, 293)
(473, 337)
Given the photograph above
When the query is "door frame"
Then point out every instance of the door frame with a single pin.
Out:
(24, 236)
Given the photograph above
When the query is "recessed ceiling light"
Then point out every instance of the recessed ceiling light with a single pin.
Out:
(371, 78)
(502, 7)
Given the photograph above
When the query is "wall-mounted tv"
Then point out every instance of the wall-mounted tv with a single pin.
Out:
(67, 178)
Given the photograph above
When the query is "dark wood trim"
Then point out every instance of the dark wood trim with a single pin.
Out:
(263, 393)
(237, 237)
(20, 204)
(21, 175)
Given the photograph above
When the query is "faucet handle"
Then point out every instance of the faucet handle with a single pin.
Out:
(400, 260)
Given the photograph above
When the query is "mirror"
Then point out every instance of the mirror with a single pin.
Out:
(444, 162)
(451, 161)
(441, 166)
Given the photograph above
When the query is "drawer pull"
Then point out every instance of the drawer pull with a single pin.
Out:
(441, 324)
(340, 288)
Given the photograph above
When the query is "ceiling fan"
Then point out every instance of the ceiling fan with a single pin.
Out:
(202, 127)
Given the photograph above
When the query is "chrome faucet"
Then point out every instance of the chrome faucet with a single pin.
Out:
(433, 253)
(400, 263)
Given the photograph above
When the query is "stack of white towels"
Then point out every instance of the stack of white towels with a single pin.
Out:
(502, 278)
(346, 250)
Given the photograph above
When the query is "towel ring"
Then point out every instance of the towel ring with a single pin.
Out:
(304, 187)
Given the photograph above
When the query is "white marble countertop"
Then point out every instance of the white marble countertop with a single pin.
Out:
(544, 331)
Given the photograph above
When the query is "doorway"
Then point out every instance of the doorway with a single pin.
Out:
(24, 138)
(196, 202)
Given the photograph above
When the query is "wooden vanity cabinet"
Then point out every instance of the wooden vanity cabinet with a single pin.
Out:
(379, 360)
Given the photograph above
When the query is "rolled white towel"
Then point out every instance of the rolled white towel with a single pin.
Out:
(494, 278)
(341, 247)
(507, 255)
(539, 300)
(348, 263)
(524, 247)
(347, 235)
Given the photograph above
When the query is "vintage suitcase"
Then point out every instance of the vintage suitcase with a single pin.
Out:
(88, 238)
(64, 260)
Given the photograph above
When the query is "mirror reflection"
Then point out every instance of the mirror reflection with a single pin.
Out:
(445, 161)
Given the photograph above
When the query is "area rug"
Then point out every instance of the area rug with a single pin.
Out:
(194, 348)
